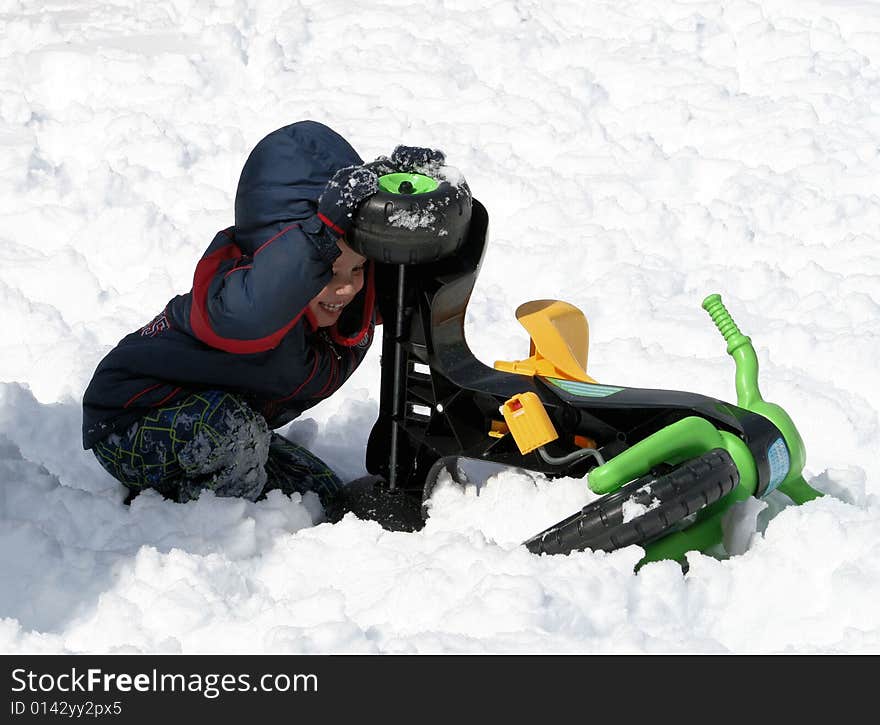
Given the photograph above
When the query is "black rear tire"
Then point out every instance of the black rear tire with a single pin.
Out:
(655, 504)
(412, 228)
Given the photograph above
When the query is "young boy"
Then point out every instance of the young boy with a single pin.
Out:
(281, 312)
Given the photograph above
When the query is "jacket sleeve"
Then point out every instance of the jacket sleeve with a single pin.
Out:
(247, 304)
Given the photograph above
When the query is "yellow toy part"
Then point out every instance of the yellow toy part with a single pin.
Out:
(528, 422)
(560, 341)
(498, 429)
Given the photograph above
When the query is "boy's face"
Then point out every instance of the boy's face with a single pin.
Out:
(348, 280)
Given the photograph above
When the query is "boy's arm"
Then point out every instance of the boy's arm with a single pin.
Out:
(247, 305)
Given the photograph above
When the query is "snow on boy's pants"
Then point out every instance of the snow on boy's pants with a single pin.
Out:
(211, 440)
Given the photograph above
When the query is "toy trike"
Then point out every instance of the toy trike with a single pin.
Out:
(668, 464)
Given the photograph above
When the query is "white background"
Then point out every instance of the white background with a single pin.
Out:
(633, 156)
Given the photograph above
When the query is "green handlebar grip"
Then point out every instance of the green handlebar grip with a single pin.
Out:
(739, 347)
(724, 322)
(749, 396)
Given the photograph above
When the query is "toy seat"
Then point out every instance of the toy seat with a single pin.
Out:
(559, 341)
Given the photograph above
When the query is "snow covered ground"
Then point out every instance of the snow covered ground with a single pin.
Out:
(633, 156)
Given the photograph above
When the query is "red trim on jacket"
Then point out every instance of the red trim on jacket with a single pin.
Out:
(143, 392)
(199, 319)
(311, 319)
(167, 398)
(339, 230)
(334, 370)
(272, 239)
(238, 269)
(303, 384)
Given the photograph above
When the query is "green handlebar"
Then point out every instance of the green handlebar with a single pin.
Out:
(749, 397)
(739, 347)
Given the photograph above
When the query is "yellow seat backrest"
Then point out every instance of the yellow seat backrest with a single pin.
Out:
(560, 341)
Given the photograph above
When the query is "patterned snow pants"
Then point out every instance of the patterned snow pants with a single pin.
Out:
(211, 440)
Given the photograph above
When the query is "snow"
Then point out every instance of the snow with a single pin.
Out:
(634, 156)
(632, 508)
(412, 219)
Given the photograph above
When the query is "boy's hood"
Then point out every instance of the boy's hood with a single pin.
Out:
(283, 178)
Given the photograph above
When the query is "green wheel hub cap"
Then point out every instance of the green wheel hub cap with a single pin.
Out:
(403, 183)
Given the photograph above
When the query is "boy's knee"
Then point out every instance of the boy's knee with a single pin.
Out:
(227, 454)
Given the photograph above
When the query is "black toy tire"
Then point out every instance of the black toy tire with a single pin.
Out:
(378, 232)
(448, 464)
(370, 499)
(681, 492)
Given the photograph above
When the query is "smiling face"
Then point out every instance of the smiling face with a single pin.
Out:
(348, 280)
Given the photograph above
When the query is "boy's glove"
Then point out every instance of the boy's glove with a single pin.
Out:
(408, 158)
(342, 194)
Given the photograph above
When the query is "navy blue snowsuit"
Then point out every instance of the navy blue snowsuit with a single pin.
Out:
(245, 327)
